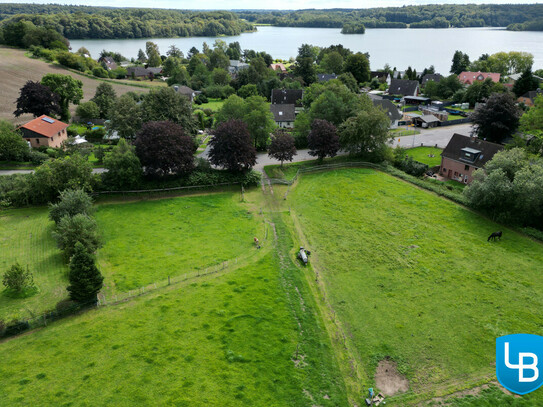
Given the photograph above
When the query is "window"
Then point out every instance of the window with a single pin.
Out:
(455, 174)
(466, 167)
(444, 169)
(37, 141)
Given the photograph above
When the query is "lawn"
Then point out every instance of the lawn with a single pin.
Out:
(25, 237)
(213, 104)
(412, 277)
(422, 155)
(226, 340)
(148, 241)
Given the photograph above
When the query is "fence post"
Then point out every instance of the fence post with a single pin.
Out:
(168, 280)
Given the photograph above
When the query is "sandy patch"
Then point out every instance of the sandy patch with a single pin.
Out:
(388, 380)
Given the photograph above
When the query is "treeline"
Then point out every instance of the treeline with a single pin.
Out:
(536, 25)
(75, 22)
(439, 15)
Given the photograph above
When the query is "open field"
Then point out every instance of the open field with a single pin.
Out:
(17, 69)
(25, 237)
(412, 277)
(149, 240)
(421, 154)
(213, 104)
(219, 341)
(144, 243)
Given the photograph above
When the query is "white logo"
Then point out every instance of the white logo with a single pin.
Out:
(521, 366)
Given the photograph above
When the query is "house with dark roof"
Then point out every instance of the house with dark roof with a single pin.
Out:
(109, 63)
(325, 77)
(468, 78)
(185, 91)
(284, 115)
(391, 110)
(426, 121)
(403, 87)
(529, 97)
(463, 155)
(288, 97)
(45, 131)
(141, 72)
(431, 77)
(236, 66)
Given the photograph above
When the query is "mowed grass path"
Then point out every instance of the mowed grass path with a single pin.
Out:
(25, 237)
(411, 275)
(220, 341)
(146, 241)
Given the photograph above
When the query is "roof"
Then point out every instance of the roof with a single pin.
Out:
(516, 77)
(403, 87)
(278, 66)
(283, 112)
(45, 126)
(286, 96)
(532, 94)
(483, 151)
(325, 77)
(390, 108)
(470, 77)
(435, 77)
(429, 118)
(418, 98)
(184, 90)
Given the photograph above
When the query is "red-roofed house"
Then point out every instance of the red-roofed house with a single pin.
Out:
(45, 131)
(468, 78)
(279, 67)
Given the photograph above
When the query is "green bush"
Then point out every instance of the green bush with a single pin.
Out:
(100, 72)
(18, 280)
(37, 157)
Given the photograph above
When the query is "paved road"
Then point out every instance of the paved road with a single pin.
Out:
(428, 137)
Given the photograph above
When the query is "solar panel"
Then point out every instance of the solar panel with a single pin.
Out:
(48, 120)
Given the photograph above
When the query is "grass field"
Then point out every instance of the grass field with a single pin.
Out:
(412, 277)
(17, 69)
(213, 104)
(219, 341)
(421, 154)
(145, 242)
(25, 237)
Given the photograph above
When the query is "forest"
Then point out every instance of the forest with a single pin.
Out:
(535, 25)
(79, 22)
(427, 16)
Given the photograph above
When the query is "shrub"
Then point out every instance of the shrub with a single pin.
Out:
(16, 327)
(75, 229)
(71, 203)
(412, 167)
(37, 157)
(201, 99)
(66, 307)
(18, 279)
(100, 72)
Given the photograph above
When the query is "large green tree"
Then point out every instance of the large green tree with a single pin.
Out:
(79, 228)
(525, 83)
(359, 65)
(12, 146)
(69, 90)
(71, 202)
(460, 62)
(124, 170)
(86, 281)
(126, 117)
(105, 98)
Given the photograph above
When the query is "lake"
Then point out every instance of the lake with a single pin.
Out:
(400, 48)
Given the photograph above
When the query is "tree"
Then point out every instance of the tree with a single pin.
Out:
(37, 99)
(460, 62)
(141, 56)
(323, 140)
(480, 91)
(71, 202)
(126, 117)
(447, 87)
(220, 76)
(332, 62)
(305, 68)
(153, 55)
(497, 119)
(366, 133)
(348, 80)
(282, 147)
(166, 104)
(87, 111)
(530, 121)
(73, 229)
(86, 281)
(359, 65)
(231, 147)
(69, 90)
(104, 98)
(164, 149)
(12, 146)
(18, 279)
(175, 52)
(123, 166)
(247, 90)
(525, 83)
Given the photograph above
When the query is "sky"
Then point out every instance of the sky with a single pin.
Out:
(275, 4)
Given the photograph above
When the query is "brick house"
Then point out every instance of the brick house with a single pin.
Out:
(529, 97)
(468, 78)
(463, 155)
(45, 131)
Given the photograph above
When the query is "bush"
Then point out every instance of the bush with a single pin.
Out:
(66, 307)
(75, 229)
(412, 167)
(37, 157)
(19, 280)
(201, 99)
(71, 203)
(16, 327)
(100, 72)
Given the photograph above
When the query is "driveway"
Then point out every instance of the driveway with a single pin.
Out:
(430, 137)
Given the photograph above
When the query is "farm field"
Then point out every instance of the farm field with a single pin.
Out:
(144, 243)
(412, 278)
(421, 154)
(17, 69)
(227, 340)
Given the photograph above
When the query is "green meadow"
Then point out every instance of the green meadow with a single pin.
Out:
(413, 278)
(422, 155)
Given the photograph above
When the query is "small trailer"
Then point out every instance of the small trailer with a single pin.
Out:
(302, 255)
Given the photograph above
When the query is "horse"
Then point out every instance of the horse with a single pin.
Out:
(495, 235)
